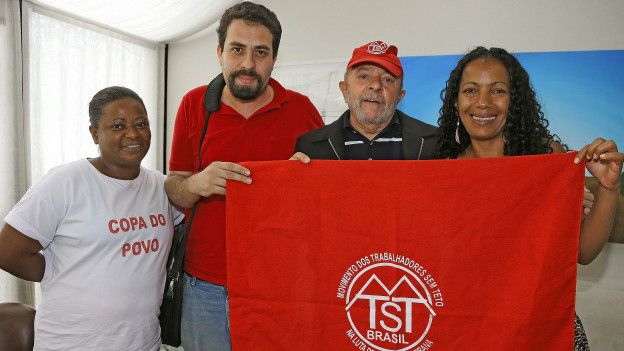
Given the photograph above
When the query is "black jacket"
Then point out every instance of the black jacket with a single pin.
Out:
(327, 143)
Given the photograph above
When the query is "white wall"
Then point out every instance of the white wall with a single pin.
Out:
(192, 62)
(328, 30)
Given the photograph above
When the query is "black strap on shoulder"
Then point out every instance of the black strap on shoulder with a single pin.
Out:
(212, 98)
(212, 102)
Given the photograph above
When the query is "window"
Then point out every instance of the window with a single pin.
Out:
(66, 62)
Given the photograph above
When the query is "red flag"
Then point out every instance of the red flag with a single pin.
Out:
(405, 255)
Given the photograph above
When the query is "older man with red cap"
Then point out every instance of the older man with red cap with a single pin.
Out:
(372, 128)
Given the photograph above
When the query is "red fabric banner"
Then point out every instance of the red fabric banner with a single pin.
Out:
(405, 255)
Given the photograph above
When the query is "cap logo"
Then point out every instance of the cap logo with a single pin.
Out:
(377, 47)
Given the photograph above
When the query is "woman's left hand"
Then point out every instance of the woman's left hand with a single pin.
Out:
(604, 162)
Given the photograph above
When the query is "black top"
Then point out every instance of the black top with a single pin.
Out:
(387, 145)
(327, 143)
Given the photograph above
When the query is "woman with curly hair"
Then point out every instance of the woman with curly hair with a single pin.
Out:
(490, 110)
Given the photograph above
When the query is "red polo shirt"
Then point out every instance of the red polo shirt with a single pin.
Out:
(269, 134)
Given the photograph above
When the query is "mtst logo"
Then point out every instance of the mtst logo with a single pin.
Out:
(377, 47)
(390, 304)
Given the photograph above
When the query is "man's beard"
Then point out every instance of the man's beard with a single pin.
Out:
(363, 117)
(246, 92)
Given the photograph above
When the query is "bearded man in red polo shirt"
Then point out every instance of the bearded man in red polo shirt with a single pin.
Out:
(242, 115)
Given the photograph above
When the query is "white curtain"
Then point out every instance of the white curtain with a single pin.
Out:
(12, 171)
(44, 99)
(66, 63)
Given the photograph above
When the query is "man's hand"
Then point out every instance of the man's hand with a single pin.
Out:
(185, 188)
(211, 180)
(301, 157)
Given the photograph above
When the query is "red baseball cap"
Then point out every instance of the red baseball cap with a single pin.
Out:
(379, 53)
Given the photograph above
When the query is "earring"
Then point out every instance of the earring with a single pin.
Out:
(457, 140)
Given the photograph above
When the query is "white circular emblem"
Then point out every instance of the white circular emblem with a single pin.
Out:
(377, 47)
(390, 302)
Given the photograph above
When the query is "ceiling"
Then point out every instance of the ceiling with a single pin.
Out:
(154, 20)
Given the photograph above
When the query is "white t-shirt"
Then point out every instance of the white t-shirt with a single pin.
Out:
(105, 243)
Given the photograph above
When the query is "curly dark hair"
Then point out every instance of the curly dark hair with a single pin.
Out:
(254, 13)
(107, 95)
(526, 129)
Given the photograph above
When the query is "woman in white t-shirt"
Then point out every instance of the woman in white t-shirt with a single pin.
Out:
(96, 234)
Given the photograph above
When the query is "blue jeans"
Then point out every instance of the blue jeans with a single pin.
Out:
(205, 316)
